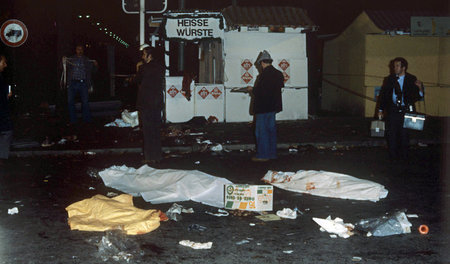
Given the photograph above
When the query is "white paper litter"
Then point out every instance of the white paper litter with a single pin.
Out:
(336, 226)
(129, 119)
(196, 245)
(221, 212)
(326, 184)
(13, 211)
(166, 186)
(287, 213)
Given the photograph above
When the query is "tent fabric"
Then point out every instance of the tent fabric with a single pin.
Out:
(166, 185)
(100, 213)
(326, 184)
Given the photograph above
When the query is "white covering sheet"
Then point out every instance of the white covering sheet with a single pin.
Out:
(167, 185)
(327, 184)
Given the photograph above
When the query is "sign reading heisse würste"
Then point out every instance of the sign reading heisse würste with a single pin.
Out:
(193, 28)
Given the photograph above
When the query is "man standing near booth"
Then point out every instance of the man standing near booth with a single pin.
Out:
(150, 102)
(79, 69)
(267, 102)
(398, 95)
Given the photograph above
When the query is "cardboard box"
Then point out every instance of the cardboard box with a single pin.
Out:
(248, 197)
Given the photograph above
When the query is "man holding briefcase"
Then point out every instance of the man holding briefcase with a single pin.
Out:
(398, 96)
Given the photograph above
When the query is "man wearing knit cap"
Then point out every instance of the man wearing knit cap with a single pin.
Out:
(267, 102)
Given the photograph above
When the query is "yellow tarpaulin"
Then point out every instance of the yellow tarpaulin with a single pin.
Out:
(101, 213)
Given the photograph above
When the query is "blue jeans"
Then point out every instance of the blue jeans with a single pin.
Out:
(266, 136)
(81, 88)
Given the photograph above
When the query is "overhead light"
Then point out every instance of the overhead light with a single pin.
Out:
(80, 16)
(88, 16)
(98, 24)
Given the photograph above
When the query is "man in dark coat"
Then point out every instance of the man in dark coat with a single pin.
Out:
(267, 102)
(399, 94)
(150, 78)
(6, 128)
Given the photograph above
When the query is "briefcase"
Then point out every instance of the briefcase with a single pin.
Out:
(414, 121)
(377, 128)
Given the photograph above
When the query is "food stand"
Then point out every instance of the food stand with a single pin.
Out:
(228, 49)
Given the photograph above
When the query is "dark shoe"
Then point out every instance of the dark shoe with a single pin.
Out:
(259, 159)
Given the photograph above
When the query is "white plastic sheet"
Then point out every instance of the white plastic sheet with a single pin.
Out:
(166, 186)
(327, 184)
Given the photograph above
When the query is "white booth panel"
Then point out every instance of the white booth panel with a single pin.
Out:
(209, 101)
(295, 104)
(178, 108)
(288, 52)
(237, 108)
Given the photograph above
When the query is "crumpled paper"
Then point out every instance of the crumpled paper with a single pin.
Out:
(196, 245)
(336, 226)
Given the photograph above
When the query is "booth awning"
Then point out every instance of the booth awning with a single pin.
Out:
(267, 16)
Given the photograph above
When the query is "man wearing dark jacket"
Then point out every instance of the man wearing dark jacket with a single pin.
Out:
(399, 94)
(267, 102)
(6, 129)
(150, 78)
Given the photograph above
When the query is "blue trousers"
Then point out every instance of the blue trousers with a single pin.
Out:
(76, 87)
(266, 136)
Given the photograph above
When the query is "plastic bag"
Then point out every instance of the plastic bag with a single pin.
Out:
(387, 225)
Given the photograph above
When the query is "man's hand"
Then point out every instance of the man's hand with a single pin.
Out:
(96, 63)
(10, 94)
(419, 84)
(249, 89)
(64, 58)
(380, 115)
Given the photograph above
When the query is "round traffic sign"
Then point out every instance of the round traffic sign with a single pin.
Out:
(13, 33)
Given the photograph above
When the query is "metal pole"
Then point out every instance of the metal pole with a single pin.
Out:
(181, 6)
(142, 22)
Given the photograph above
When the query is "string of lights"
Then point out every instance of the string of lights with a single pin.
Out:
(104, 29)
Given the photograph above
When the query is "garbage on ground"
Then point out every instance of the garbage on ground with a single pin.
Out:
(196, 227)
(47, 143)
(241, 213)
(288, 251)
(111, 194)
(129, 119)
(197, 162)
(249, 197)
(166, 185)
(196, 245)
(268, 217)
(220, 212)
(217, 148)
(287, 213)
(386, 225)
(336, 226)
(252, 224)
(244, 241)
(412, 216)
(326, 184)
(355, 258)
(13, 211)
(91, 188)
(423, 229)
(115, 245)
(100, 213)
(174, 212)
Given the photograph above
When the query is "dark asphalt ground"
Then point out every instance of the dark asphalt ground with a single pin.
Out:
(41, 187)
